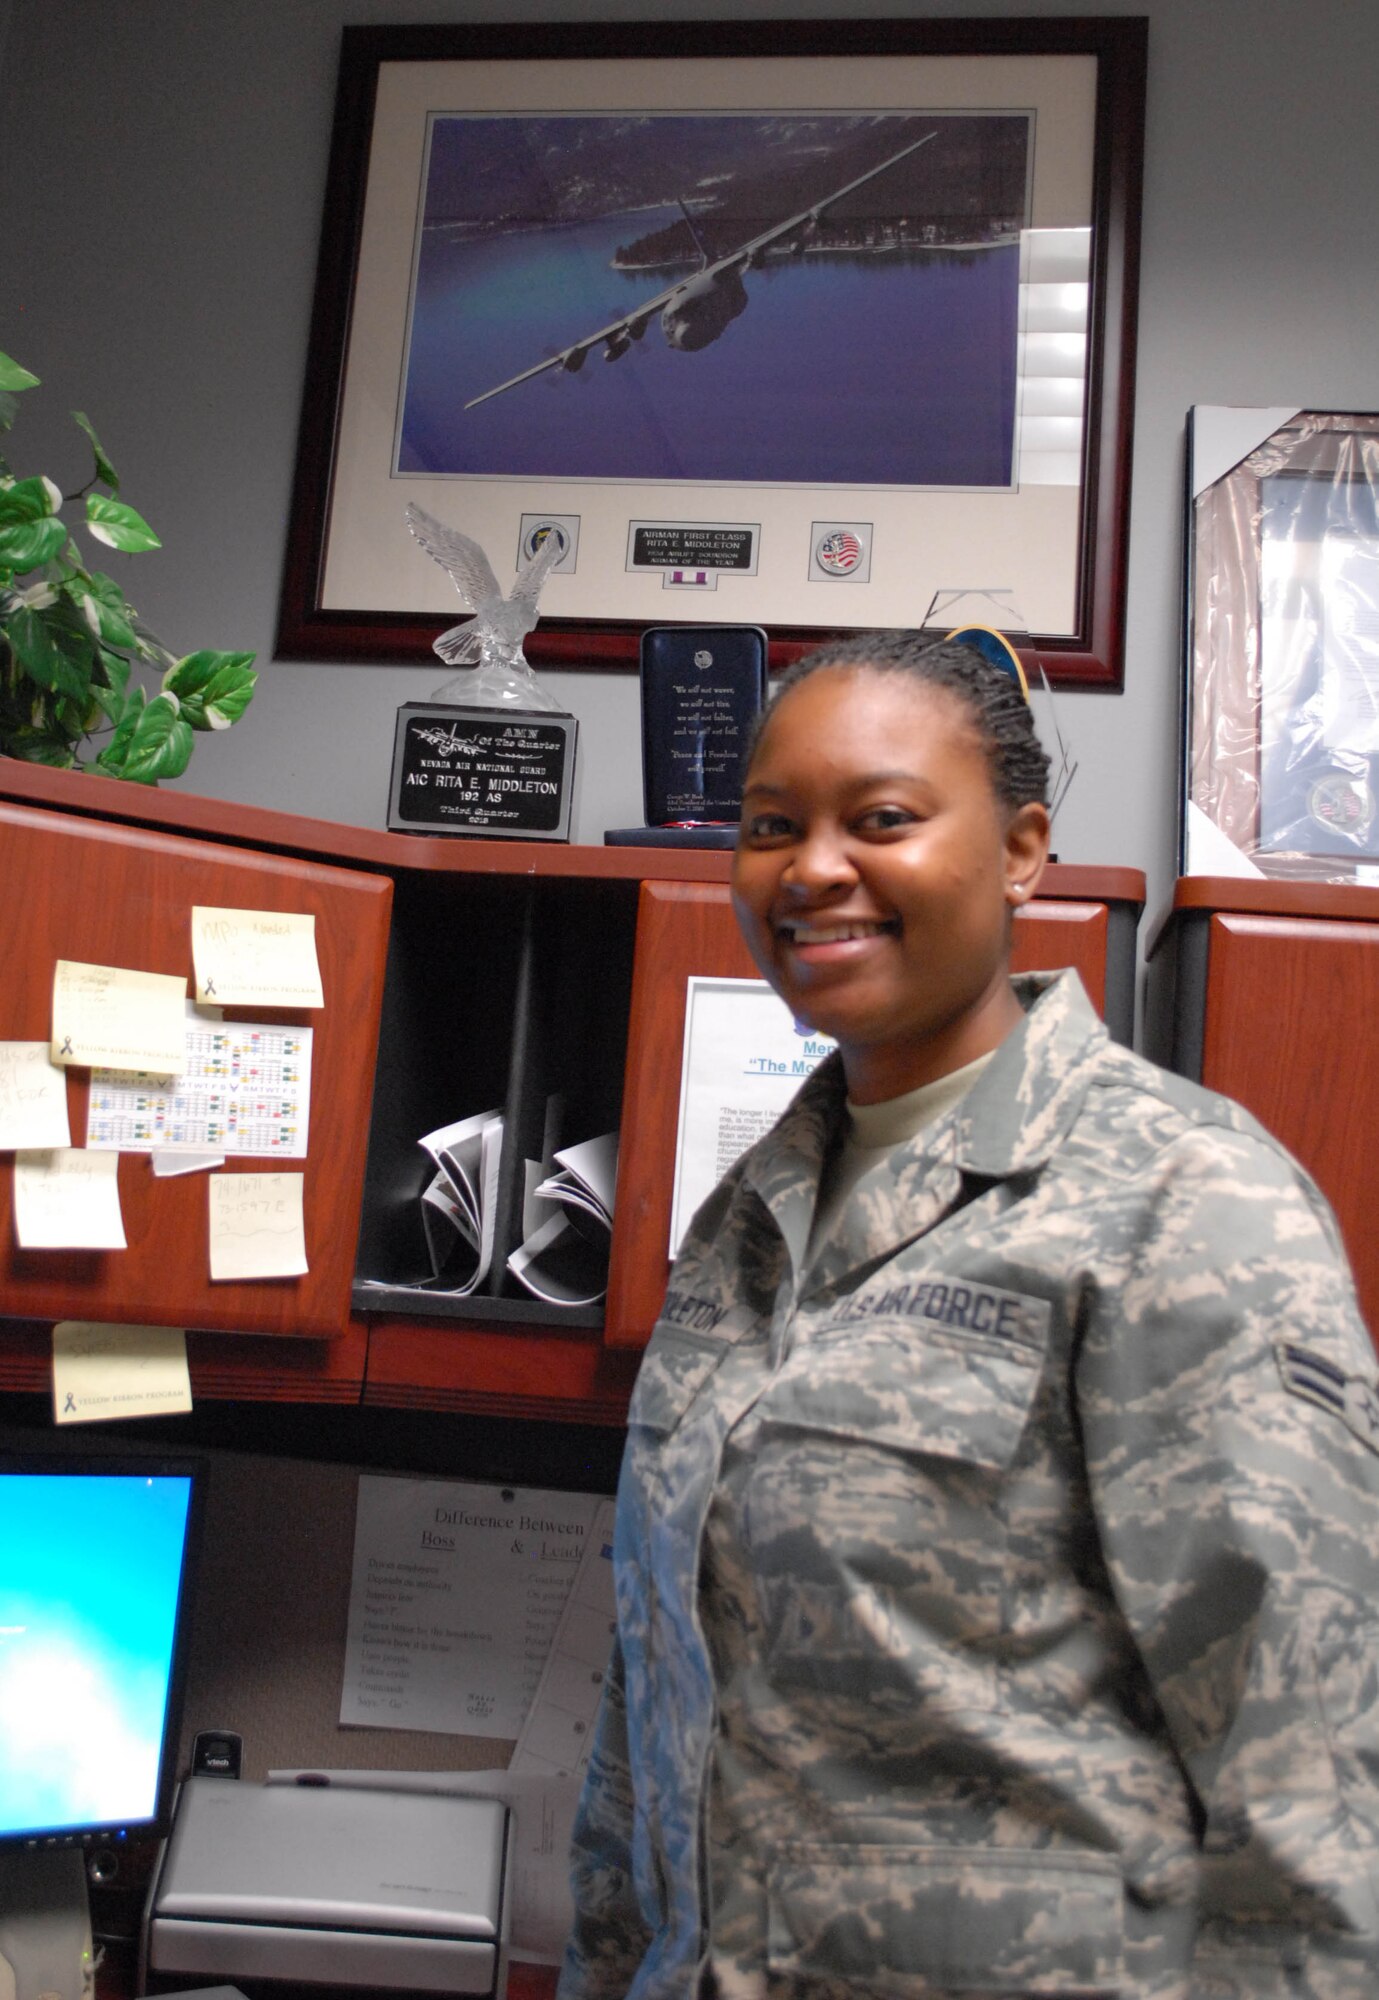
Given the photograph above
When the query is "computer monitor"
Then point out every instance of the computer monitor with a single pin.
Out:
(96, 1557)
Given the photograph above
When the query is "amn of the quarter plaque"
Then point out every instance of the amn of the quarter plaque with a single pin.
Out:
(490, 755)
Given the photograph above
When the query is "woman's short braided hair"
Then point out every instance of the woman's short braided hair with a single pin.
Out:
(995, 705)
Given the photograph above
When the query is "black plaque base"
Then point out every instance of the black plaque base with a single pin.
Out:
(671, 836)
(484, 773)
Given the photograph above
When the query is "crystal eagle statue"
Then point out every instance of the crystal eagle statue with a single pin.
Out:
(492, 637)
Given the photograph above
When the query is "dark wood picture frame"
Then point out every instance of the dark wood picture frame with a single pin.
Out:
(1092, 656)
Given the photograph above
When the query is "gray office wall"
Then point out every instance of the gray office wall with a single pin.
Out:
(161, 177)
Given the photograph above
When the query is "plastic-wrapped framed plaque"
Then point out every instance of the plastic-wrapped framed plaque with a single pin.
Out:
(1280, 751)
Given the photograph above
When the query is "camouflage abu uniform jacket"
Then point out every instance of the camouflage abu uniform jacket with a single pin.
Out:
(999, 1609)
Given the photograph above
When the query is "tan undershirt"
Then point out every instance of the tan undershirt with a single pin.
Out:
(874, 1129)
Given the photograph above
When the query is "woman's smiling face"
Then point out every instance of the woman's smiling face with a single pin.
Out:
(876, 872)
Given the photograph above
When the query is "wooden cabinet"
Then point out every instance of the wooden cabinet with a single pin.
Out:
(116, 895)
(460, 976)
(1269, 992)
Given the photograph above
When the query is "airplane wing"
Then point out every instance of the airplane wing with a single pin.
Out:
(816, 209)
(620, 332)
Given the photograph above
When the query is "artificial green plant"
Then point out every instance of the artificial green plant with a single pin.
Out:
(70, 641)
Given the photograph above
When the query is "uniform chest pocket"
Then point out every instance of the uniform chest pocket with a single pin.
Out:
(894, 1924)
(922, 1391)
(872, 1510)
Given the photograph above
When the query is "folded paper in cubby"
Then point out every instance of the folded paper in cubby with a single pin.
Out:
(565, 1260)
(458, 1204)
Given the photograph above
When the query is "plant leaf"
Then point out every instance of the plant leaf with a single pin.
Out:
(111, 758)
(116, 524)
(104, 469)
(113, 616)
(109, 701)
(33, 499)
(30, 544)
(116, 670)
(228, 695)
(109, 693)
(12, 376)
(54, 648)
(178, 755)
(41, 747)
(213, 688)
(153, 749)
(194, 671)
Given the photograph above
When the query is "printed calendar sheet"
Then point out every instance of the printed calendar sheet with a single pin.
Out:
(245, 1088)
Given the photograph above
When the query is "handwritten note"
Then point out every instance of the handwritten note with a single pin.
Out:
(455, 1597)
(118, 1371)
(116, 1017)
(256, 1226)
(33, 1097)
(255, 958)
(67, 1199)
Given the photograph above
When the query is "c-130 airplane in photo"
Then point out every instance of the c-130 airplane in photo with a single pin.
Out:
(696, 310)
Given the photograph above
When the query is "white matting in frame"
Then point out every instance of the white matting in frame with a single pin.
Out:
(922, 534)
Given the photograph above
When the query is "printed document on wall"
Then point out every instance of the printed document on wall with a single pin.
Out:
(558, 1733)
(455, 1596)
(744, 1058)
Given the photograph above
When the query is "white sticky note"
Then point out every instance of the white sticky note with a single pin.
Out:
(33, 1097)
(256, 1226)
(118, 1018)
(118, 1371)
(67, 1199)
(255, 958)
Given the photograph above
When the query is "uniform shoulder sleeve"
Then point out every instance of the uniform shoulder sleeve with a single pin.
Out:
(609, 1939)
(1230, 1416)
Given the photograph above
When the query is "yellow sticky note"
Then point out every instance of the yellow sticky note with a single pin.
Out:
(118, 1371)
(115, 1018)
(33, 1097)
(256, 1226)
(67, 1199)
(255, 958)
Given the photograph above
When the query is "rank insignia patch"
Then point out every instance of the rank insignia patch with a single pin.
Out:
(1352, 1398)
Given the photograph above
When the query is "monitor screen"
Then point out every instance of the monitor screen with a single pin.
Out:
(94, 1574)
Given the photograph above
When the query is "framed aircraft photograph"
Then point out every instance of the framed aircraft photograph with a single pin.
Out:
(793, 324)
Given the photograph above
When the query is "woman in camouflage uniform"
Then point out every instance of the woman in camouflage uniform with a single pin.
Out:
(998, 1536)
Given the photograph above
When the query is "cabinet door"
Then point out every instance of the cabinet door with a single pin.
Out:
(111, 895)
(1050, 934)
(683, 928)
(1290, 1009)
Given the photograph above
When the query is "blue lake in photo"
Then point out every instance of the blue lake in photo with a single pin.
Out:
(845, 369)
